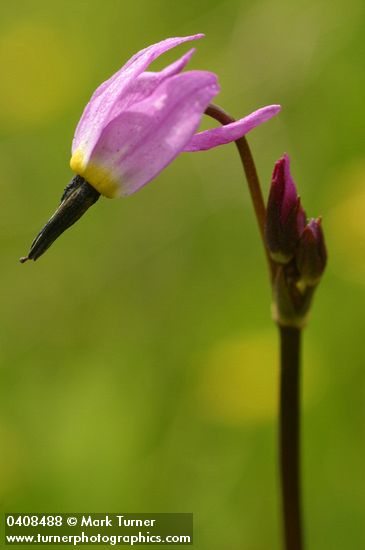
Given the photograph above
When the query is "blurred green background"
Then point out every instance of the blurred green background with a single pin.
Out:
(138, 359)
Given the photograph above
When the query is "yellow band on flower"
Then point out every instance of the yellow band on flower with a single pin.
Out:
(100, 178)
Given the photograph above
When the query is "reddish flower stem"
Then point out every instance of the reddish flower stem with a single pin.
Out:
(289, 435)
(251, 175)
(289, 413)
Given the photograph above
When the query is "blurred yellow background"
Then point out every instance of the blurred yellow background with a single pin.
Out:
(138, 359)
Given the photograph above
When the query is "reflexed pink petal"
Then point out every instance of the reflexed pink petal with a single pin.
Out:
(157, 49)
(135, 146)
(146, 83)
(230, 132)
(99, 110)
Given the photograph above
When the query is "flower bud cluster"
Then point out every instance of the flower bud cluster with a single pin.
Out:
(295, 245)
(289, 236)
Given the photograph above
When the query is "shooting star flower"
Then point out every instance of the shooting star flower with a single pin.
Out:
(135, 124)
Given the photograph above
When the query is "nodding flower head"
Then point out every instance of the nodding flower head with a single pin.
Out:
(138, 121)
(285, 217)
(135, 124)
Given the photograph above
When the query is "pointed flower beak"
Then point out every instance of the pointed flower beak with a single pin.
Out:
(76, 199)
(285, 217)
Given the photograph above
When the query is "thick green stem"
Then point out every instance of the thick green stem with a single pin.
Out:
(289, 436)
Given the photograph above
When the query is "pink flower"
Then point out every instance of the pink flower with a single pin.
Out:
(137, 122)
(134, 125)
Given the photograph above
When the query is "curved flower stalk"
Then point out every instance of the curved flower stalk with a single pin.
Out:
(297, 258)
(135, 124)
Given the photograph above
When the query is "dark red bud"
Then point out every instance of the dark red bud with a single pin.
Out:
(285, 217)
(311, 253)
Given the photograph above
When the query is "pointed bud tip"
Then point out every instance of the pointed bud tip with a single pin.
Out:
(315, 227)
(282, 165)
(285, 217)
(311, 255)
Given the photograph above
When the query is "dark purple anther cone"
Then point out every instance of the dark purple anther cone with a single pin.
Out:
(285, 217)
